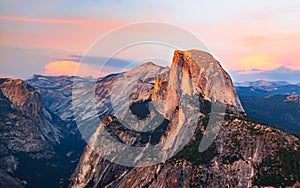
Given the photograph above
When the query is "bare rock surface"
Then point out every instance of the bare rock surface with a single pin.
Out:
(243, 154)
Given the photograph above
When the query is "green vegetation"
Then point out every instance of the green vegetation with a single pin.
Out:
(273, 111)
(283, 170)
(191, 154)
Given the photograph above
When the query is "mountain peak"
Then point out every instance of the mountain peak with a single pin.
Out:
(207, 76)
(196, 55)
(22, 96)
(193, 52)
(147, 66)
(263, 83)
(145, 71)
(283, 68)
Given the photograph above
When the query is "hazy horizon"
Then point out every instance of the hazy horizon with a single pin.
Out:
(95, 77)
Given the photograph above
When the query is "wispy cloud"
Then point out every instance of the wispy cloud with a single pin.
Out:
(44, 20)
(278, 74)
(98, 60)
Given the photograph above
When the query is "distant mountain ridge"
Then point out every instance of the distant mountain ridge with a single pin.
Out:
(273, 103)
(262, 83)
(264, 88)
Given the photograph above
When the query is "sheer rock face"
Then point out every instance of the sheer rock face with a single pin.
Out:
(237, 158)
(195, 72)
(207, 76)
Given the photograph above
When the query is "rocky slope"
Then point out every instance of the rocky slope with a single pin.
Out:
(33, 139)
(244, 153)
(56, 92)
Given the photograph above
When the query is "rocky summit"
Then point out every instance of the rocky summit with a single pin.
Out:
(207, 76)
(243, 153)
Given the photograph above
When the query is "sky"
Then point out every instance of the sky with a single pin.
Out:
(252, 39)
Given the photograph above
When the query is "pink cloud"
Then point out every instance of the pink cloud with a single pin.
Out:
(44, 20)
(74, 35)
(71, 68)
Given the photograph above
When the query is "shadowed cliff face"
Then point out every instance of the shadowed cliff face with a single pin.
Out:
(23, 102)
(239, 157)
(32, 139)
(22, 96)
(24, 128)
